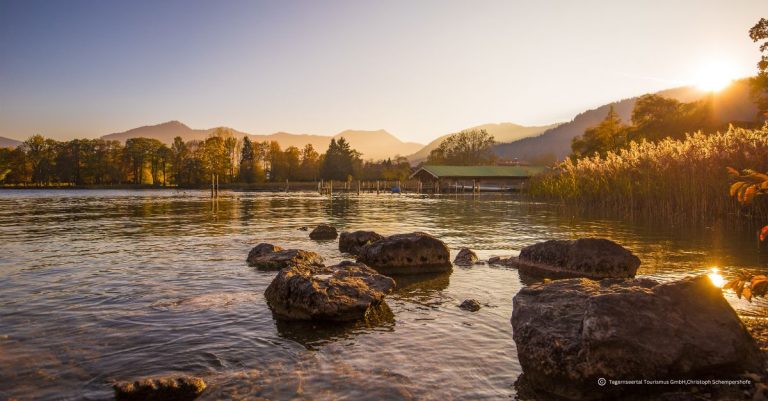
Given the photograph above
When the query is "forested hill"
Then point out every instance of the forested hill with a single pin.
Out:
(502, 133)
(731, 104)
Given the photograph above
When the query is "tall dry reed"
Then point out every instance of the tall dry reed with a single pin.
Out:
(670, 179)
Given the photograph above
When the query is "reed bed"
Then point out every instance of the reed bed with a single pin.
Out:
(670, 179)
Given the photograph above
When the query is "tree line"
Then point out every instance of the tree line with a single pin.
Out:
(41, 161)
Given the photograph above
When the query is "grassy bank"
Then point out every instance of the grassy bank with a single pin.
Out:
(671, 179)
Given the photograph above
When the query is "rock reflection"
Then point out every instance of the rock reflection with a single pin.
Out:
(313, 334)
(422, 289)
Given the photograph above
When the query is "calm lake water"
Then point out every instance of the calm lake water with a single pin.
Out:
(99, 285)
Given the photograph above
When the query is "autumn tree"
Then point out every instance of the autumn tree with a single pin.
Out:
(466, 148)
(759, 84)
(309, 170)
(292, 160)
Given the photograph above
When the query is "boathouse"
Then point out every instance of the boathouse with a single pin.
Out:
(476, 178)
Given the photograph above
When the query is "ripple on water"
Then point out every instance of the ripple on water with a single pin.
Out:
(109, 285)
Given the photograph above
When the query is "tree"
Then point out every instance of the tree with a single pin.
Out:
(292, 160)
(654, 116)
(340, 161)
(215, 156)
(759, 84)
(278, 170)
(610, 134)
(466, 148)
(246, 161)
(310, 164)
(180, 156)
(41, 154)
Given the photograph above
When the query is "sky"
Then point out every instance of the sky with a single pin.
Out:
(418, 69)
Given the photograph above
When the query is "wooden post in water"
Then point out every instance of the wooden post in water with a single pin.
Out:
(377, 187)
(330, 187)
(358, 187)
(212, 185)
(217, 185)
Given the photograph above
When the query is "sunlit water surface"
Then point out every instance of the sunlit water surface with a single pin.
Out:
(97, 286)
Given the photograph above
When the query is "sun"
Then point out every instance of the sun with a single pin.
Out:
(713, 77)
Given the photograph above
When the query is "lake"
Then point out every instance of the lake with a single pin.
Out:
(102, 285)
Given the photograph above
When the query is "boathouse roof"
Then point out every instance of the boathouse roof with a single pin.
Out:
(439, 172)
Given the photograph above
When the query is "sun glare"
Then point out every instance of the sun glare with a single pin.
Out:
(713, 77)
(716, 278)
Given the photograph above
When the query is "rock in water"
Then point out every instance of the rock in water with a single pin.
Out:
(262, 249)
(471, 305)
(412, 253)
(323, 232)
(351, 242)
(595, 258)
(465, 257)
(571, 332)
(270, 257)
(498, 260)
(343, 292)
(160, 389)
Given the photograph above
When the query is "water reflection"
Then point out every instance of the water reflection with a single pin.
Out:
(104, 285)
(314, 334)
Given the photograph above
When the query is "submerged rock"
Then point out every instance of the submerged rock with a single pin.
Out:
(183, 388)
(270, 257)
(470, 305)
(343, 292)
(412, 253)
(323, 232)
(586, 257)
(465, 257)
(571, 332)
(499, 261)
(351, 242)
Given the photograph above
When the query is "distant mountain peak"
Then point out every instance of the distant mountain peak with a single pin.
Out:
(8, 142)
(174, 123)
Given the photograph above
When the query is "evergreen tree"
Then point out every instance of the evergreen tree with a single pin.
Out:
(247, 161)
(610, 134)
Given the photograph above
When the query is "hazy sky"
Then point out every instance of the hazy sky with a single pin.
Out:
(415, 68)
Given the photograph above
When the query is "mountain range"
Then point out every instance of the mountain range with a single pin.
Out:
(731, 104)
(535, 144)
(8, 142)
(378, 144)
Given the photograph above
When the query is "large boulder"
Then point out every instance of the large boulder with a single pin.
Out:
(595, 258)
(344, 292)
(351, 242)
(465, 257)
(183, 388)
(270, 257)
(571, 332)
(324, 232)
(413, 253)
